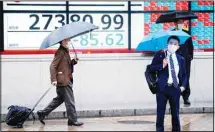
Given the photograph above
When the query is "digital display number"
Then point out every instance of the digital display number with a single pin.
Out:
(106, 20)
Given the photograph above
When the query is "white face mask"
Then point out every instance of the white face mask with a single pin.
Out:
(180, 26)
(67, 46)
(172, 48)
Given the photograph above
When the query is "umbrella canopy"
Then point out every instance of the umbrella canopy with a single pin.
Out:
(71, 30)
(176, 15)
(158, 41)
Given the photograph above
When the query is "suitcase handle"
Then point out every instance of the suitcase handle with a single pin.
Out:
(38, 101)
(41, 98)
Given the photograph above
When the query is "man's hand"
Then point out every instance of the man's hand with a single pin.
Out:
(182, 89)
(54, 83)
(165, 62)
(76, 58)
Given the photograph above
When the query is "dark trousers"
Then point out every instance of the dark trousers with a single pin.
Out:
(186, 93)
(64, 94)
(173, 95)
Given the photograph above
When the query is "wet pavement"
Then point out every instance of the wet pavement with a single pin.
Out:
(189, 122)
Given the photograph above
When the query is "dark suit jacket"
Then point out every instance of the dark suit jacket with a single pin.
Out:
(163, 73)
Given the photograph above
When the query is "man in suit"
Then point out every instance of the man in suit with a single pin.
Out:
(61, 77)
(171, 72)
(185, 50)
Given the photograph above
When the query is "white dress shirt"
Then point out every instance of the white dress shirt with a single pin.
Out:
(176, 66)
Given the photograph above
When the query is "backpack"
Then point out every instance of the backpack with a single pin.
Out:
(151, 79)
(17, 115)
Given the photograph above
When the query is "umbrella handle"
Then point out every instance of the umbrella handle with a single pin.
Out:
(74, 50)
(165, 52)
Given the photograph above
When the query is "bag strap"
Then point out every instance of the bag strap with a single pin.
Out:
(165, 52)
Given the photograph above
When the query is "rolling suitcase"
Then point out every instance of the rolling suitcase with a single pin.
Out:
(17, 115)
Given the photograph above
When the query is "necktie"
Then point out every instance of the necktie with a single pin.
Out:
(174, 78)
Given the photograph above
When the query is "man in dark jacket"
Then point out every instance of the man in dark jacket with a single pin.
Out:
(185, 50)
(172, 80)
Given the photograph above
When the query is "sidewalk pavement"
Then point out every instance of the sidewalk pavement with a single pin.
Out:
(149, 109)
(189, 122)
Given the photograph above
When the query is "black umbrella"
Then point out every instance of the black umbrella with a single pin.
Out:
(176, 15)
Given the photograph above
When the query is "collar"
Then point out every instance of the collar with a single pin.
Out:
(168, 53)
(66, 49)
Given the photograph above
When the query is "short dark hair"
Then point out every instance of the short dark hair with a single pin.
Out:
(173, 37)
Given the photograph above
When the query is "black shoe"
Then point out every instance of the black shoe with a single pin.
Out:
(70, 123)
(187, 102)
(41, 116)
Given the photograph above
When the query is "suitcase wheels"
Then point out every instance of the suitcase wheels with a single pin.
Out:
(20, 125)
